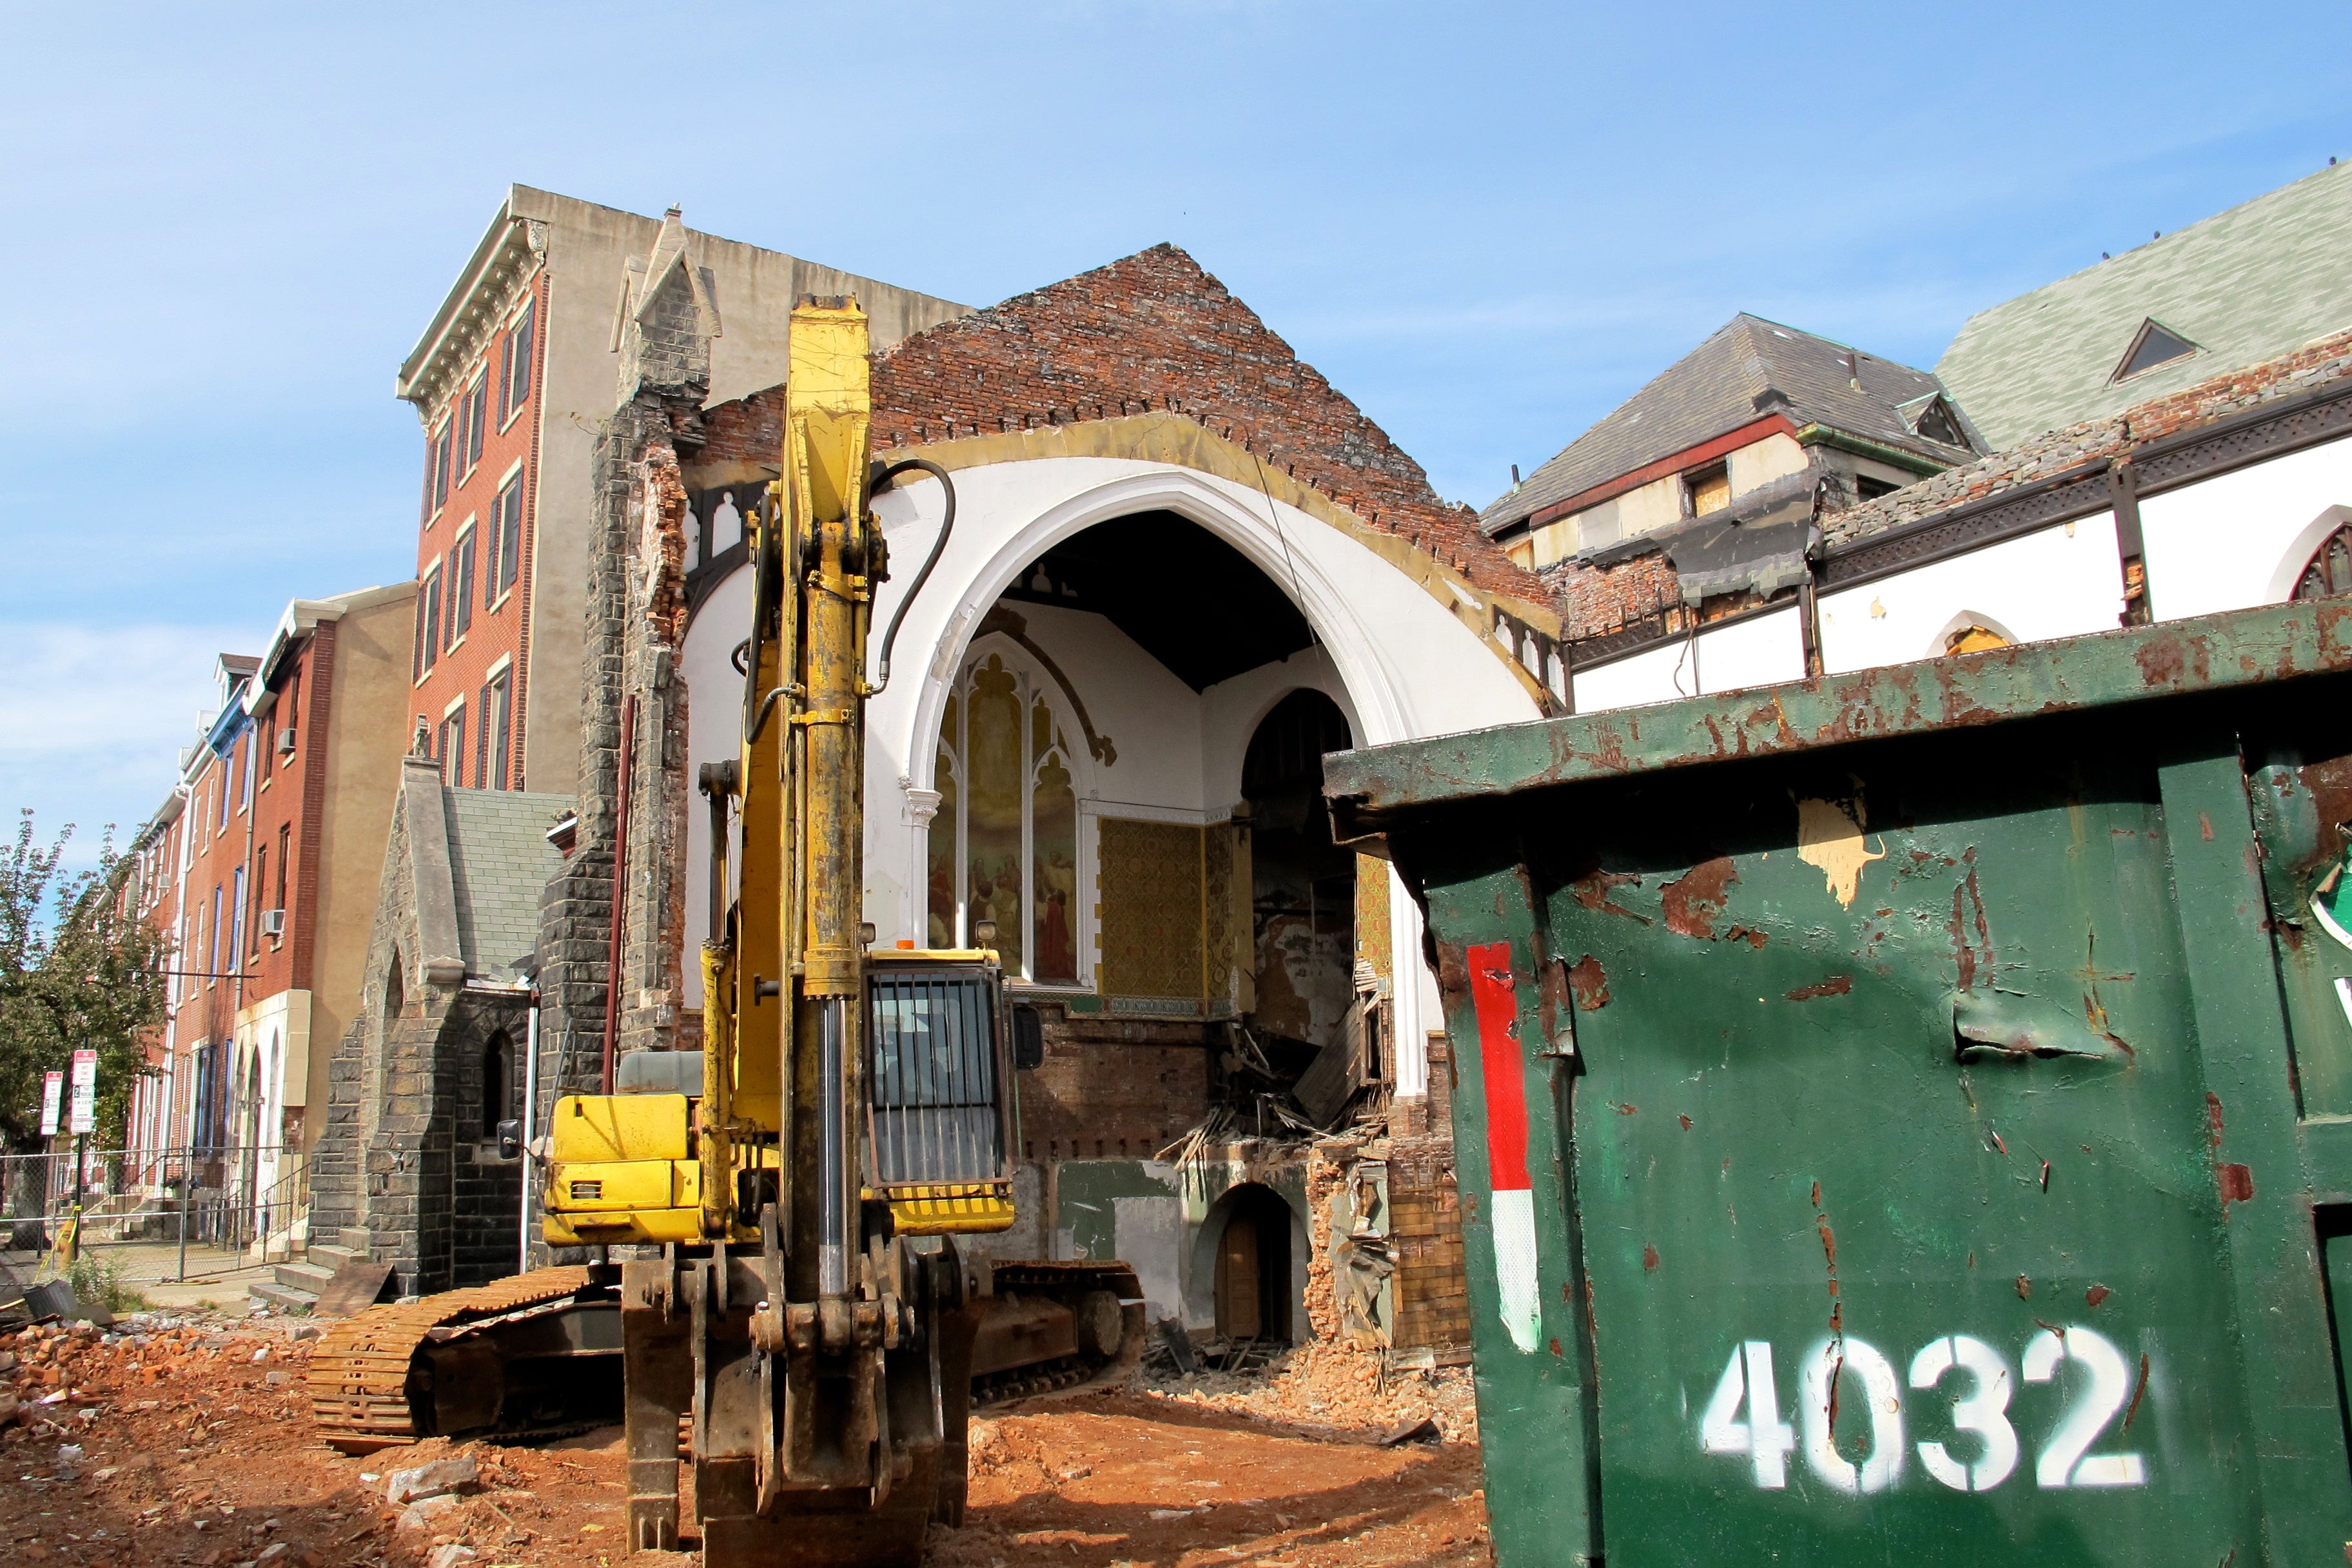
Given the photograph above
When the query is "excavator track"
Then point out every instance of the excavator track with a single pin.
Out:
(360, 1372)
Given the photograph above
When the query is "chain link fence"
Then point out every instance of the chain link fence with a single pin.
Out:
(228, 1201)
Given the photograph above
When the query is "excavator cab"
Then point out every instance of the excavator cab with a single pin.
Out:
(940, 1107)
(941, 1121)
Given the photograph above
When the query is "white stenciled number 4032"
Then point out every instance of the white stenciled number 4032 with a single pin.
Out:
(1743, 1417)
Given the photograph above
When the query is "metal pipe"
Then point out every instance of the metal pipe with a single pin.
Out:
(187, 1198)
(833, 1246)
(624, 770)
(529, 1121)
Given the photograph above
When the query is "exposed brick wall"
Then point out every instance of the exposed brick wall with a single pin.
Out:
(1597, 600)
(500, 624)
(1432, 1285)
(527, 582)
(2305, 370)
(748, 433)
(1155, 333)
(1112, 1089)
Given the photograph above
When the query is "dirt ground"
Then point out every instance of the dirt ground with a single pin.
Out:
(194, 1447)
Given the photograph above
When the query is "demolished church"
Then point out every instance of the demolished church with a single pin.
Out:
(1183, 567)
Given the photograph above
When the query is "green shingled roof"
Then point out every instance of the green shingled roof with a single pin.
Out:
(2246, 286)
(500, 860)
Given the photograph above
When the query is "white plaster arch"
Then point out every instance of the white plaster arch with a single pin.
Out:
(1940, 644)
(1401, 664)
(1269, 545)
(2288, 571)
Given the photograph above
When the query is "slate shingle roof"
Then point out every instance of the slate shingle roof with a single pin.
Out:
(2246, 286)
(500, 860)
(1727, 382)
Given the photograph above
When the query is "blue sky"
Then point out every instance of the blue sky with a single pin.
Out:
(1488, 225)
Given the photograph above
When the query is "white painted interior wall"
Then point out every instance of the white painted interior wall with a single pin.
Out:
(2229, 542)
(1660, 675)
(2242, 538)
(714, 732)
(1759, 650)
(2059, 582)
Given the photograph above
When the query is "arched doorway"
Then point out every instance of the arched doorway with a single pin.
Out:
(1253, 1284)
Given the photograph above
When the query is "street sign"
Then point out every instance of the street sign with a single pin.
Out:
(53, 1095)
(85, 1092)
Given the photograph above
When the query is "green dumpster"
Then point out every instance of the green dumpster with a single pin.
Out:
(1906, 1118)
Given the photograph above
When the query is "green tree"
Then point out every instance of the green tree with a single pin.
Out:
(80, 970)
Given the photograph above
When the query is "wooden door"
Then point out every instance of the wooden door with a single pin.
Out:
(1238, 1293)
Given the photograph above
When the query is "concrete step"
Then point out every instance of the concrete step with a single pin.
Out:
(304, 1277)
(331, 1256)
(353, 1237)
(283, 1297)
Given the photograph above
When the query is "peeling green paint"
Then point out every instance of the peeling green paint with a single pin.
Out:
(1944, 1199)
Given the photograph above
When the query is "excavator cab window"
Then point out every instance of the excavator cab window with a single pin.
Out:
(1028, 1039)
(935, 1077)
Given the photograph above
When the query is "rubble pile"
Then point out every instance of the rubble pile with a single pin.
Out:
(185, 1441)
(1331, 1390)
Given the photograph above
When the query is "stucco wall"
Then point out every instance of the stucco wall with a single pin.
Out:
(1761, 462)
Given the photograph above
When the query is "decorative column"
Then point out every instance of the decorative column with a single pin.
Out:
(914, 915)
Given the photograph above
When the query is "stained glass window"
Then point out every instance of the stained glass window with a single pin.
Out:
(2329, 571)
(1004, 841)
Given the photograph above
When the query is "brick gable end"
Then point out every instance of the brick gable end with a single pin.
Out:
(1154, 332)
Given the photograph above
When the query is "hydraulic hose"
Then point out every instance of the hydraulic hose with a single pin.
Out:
(939, 546)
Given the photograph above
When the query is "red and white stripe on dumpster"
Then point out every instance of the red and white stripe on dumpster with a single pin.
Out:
(1511, 1207)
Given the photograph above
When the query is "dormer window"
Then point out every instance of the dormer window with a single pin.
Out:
(1937, 422)
(2153, 346)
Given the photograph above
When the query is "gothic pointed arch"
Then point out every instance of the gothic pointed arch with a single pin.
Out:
(1004, 846)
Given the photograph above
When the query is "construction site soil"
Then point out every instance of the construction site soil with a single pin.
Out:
(183, 1440)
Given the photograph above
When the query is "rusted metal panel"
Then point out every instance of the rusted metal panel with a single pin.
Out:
(1915, 1138)
(2236, 650)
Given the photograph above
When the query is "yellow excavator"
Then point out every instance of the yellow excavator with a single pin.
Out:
(796, 1320)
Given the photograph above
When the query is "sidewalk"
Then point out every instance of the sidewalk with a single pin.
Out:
(153, 1269)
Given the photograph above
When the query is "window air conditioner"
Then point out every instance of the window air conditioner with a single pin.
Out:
(273, 922)
(286, 742)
